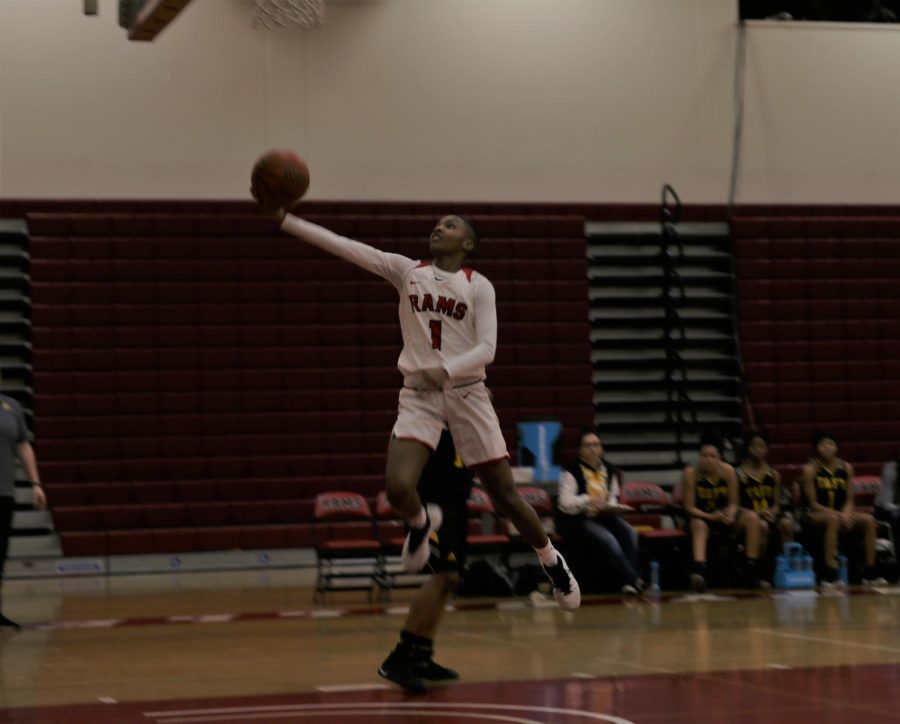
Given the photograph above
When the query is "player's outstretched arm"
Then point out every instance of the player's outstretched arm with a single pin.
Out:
(482, 354)
(386, 265)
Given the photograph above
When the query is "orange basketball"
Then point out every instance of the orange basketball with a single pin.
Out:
(279, 179)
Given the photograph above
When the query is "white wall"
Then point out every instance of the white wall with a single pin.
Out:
(822, 119)
(580, 100)
(588, 100)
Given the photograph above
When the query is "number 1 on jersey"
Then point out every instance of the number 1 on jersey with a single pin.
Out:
(435, 325)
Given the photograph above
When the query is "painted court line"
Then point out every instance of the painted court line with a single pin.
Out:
(823, 640)
(350, 687)
(484, 711)
(313, 613)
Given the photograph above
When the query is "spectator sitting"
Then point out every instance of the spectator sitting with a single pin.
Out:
(760, 491)
(827, 487)
(710, 492)
(588, 502)
(887, 504)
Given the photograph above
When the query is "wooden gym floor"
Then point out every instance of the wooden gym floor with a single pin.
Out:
(251, 647)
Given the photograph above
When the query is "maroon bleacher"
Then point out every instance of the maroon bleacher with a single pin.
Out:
(200, 377)
(820, 331)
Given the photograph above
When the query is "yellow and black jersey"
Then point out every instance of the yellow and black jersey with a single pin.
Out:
(710, 493)
(832, 486)
(757, 493)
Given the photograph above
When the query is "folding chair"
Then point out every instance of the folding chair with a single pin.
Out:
(660, 539)
(348, 553)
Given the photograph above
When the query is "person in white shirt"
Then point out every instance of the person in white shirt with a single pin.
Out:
(887, 503)
(589, 503)
(448, 320)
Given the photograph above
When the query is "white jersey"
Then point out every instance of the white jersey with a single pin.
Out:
(448, 321)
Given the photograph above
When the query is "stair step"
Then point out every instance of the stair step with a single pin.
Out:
(653, 355)
(656, 313)
(644, 271)
(20, 392)
(17, 347)
(8, 363)
(627, 405)
(24, 494)
(12, 256)
(17, 280)
(628, 229)
(696, 390)
(657, 376)
(649, 444)
(695, 336)
(667, 479)
(623, 459)
(600, 257)
(32, 519)
(657, 417)
(14, 228)
(14, 323)
(34, 546)
(624, 295)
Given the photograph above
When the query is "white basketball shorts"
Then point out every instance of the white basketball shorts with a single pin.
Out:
(467, 411)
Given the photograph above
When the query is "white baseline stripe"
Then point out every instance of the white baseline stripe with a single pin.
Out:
(823, 640)
(377, 706)
(379, 714)
(351, 687)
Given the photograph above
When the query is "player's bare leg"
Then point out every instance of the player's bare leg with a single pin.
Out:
(498, 482)
(428, 605)
(411, 664)
(755, 531)
(405, 462)
(699, 538)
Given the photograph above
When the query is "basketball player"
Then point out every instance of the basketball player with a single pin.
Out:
(711, 499)
(448, 320)
(827, 487)
(447, 483)
(759, 488)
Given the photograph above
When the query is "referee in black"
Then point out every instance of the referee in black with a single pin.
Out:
(447, 483)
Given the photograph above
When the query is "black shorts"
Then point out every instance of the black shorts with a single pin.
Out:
(7, 506)
(448, 552)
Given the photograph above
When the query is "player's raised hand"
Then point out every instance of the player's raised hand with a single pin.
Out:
(277, 214)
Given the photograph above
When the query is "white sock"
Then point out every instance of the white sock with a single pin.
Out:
(420, 520)
(547, 554)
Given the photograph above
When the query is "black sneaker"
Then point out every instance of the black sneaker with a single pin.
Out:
(8, 623)
(405, 671)
(698, 583)
(416, 551)
(431, 671)
(565, 587)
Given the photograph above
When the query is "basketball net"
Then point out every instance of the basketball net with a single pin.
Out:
(308, 14)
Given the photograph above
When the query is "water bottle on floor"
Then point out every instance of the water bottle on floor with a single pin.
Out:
(653, 591)
(843, 572)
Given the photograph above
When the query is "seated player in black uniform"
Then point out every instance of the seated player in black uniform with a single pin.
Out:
(759, 487)
(710, 493)
(828, 493)
(447, 483)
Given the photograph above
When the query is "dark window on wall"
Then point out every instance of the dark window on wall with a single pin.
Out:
(840, 11)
